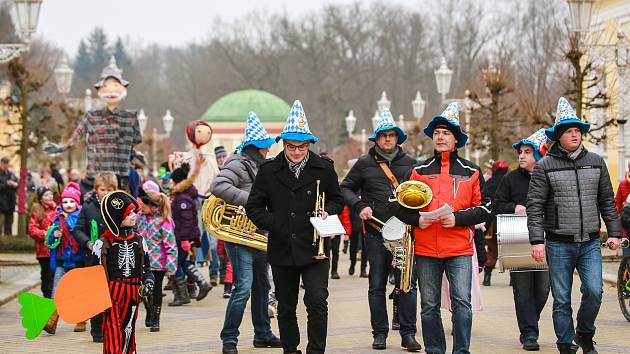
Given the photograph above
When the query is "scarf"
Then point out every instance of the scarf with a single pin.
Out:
(296, 167)
(573, 155)
(387, 156)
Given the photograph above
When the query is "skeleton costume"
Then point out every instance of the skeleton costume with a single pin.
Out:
(127, 268)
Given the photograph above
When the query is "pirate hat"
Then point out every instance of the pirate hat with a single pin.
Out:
(565, 118)
(386, 122)
(115, 207)
(449, 119)
(297, 126)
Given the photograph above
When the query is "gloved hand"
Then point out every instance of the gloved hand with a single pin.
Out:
(148, 287)
(96, 248)
(54, 148)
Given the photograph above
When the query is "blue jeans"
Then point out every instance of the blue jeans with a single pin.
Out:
(380, 263)
(205, 246)
(459, 274)
(249, 269)
(563, 258)
(531, 290)
(182, 261)
(60, 271)
(214, 256)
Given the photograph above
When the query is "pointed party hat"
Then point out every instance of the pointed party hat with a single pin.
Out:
(386, 122)
(536, 140)
(255, 134)
(297, 125)
(565, 114)
(449, 116)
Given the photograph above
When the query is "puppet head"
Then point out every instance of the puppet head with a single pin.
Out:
(199, 132)
(71, 198)
(111, 87)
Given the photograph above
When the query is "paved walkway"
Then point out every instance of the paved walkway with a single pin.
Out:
(195, 328)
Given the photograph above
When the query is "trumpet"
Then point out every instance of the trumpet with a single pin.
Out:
(318, 212)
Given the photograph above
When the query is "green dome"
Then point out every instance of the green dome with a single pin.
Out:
(235, 106)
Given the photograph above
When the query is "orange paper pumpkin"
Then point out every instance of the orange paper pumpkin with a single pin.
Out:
(82, 293)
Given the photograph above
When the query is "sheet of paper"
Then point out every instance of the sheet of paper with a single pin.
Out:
(443, 210)
(329, 227)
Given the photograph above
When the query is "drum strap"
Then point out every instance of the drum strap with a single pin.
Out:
(388, 173)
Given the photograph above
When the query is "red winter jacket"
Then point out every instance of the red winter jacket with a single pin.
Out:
(458, 183)
(620, 198)
(37, 230)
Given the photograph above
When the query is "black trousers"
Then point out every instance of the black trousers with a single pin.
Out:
(334, 252)
(356, 244)
(46, 277)
(531, 290)
(157, 288)
(287, 283)
(6, 224)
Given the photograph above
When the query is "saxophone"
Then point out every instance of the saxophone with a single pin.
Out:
(229, 223)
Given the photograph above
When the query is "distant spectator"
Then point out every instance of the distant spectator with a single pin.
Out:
(221, 155)
(8, 189)
(74, 175)
(623, 190)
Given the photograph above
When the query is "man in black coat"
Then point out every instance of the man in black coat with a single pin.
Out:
(8, 189)
(281, 201)
(530, 288)
(368, 179)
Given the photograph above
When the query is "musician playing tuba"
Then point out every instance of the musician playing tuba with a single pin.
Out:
(283, 198)
(367, 189)
(233, 184)
(444, 244)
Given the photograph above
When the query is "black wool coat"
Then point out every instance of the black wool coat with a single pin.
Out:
(90, 210)
(282, 205)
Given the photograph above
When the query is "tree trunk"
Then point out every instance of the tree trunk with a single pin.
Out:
(494, 131)
(24, 144)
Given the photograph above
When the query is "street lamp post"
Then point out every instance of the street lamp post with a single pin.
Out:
(27, 17)
(383, 102)
(168, 121)
(418, 105)
(580, 11)
(443, 76)
(351, 122)
(375, 119)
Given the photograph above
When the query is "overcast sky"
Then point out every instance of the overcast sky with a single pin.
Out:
(174, 22)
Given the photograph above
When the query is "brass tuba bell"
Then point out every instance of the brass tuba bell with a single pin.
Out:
(414, 194)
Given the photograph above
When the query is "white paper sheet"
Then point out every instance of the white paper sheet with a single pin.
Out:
(443, 210)
(329, 227)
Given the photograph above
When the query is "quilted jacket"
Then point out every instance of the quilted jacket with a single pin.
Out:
(566, 198)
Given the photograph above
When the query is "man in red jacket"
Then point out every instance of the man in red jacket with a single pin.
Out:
(623, 190)
(444, 244)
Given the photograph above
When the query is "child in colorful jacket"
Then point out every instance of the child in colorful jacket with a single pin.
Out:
(42, 216)
(65, 253)
(156, 227)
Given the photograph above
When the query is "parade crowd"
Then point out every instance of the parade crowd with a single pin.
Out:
(148, 233)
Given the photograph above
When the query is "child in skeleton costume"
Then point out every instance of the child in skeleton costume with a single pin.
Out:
(110, 133)
(123, 254)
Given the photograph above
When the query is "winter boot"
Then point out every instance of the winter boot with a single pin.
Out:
(148, 320)
(202, 283)
(351, 269)
(180, 289)
(193, 290)
(51, 325)
(80, 327)
(227, 290)
(155, 325)
(487, 276)
(585, 341)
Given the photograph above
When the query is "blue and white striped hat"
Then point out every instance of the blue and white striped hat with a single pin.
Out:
(386, 122)
(536, 140)
(565, 114)
(297, 126)
(255, 134)
(451, 117)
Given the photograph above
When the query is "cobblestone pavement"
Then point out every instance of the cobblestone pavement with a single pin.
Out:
(195, 328)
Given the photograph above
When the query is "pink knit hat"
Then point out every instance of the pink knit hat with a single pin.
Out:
(150, 186)
(72, 191)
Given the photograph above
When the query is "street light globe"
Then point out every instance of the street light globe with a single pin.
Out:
(401, 122)
(581, 11)
(418, 106)
(87, 100)
(375, 119)
(168, 120)
(142, 120)
(443, 76)
(27, 17)
(383, 102)
(351, 122)
(63, 76)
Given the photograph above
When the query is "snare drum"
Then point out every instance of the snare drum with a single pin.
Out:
(514, 248)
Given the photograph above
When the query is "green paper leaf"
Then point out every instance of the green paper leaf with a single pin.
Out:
(35, 312)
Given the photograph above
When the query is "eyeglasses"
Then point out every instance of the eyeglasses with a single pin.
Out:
(388, 135)
(292, 147)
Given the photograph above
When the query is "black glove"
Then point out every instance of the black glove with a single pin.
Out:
(149, 283)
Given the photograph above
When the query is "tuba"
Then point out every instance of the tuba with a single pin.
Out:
(229, 223)
(397, 236)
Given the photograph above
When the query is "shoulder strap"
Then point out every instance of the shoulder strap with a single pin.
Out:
(388, 173)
